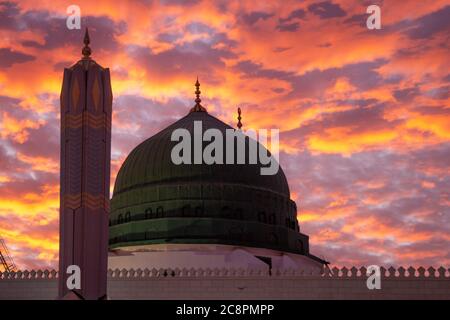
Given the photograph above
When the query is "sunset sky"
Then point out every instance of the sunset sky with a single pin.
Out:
(364, 115)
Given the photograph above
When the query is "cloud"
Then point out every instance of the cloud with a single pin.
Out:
(253, 17)
(296, 14)
(8, 12)
(358, 204)
(429, 25)
(188, 59)
(326, 10)
(9, 57)
(103, 31)
(407, 94)
(363, 75)
(288, 27)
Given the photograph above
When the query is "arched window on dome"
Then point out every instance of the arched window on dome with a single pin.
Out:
(199, 211)
(186, 210)
(273, 238)
(148, 213)
(159, 212)
(239, 214)
(273, 219)
(120, 219)
(301, 247)
(262, 217)
(128, 216)
(225, 212)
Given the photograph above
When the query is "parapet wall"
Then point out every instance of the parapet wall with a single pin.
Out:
(335, 283)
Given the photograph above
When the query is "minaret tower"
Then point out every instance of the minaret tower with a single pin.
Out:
(86, 104)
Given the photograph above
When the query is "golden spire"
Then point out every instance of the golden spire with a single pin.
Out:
(239, 124)
(198, 107)
(86, 49)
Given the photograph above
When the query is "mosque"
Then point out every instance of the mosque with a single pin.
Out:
(162, 214)
(186, 231)
(165, 215)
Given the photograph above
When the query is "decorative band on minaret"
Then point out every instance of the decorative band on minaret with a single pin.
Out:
(86, 107)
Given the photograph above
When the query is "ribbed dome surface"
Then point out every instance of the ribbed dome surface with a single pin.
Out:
(158, 202)
(150, 163)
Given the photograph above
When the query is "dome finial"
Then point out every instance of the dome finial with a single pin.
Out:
(86, 49)
(198, 107)
(239, 124)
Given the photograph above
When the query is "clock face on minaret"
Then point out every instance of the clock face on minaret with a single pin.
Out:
(86, 107)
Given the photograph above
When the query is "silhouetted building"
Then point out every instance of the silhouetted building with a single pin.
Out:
(86, 100)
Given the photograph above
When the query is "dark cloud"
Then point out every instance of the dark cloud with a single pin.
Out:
(253, 17)
(433, 110)
(34, 146)
(179, 2)
(11, 106)
(288, 27)
(147, 117)
(102, 30)
(362, 75)
(357, 102)
(357, 19)
(189, 59)
(24, 180)
(169, 37)
(313, 83)
(8, 102)
(326, 10)
(424, 27)
(286, 24)
(407, 94)
(198, 27)
(435, 157)
(9, 11)
(281, 49)
(59, 67)
(296, 14)
(319, 179)
(253, 70)
(325, 45)
(439, 93)
(278, 90)
(193, 28)
(367, 116)
(42, 141)
(430, 24)
(8, 163)
(9, 57)
(446, 78)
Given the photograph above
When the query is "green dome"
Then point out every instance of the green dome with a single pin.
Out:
(156, 201)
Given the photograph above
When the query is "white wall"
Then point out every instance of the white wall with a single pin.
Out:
(240, 284)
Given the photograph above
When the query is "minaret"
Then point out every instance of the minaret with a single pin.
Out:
(86, 105)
